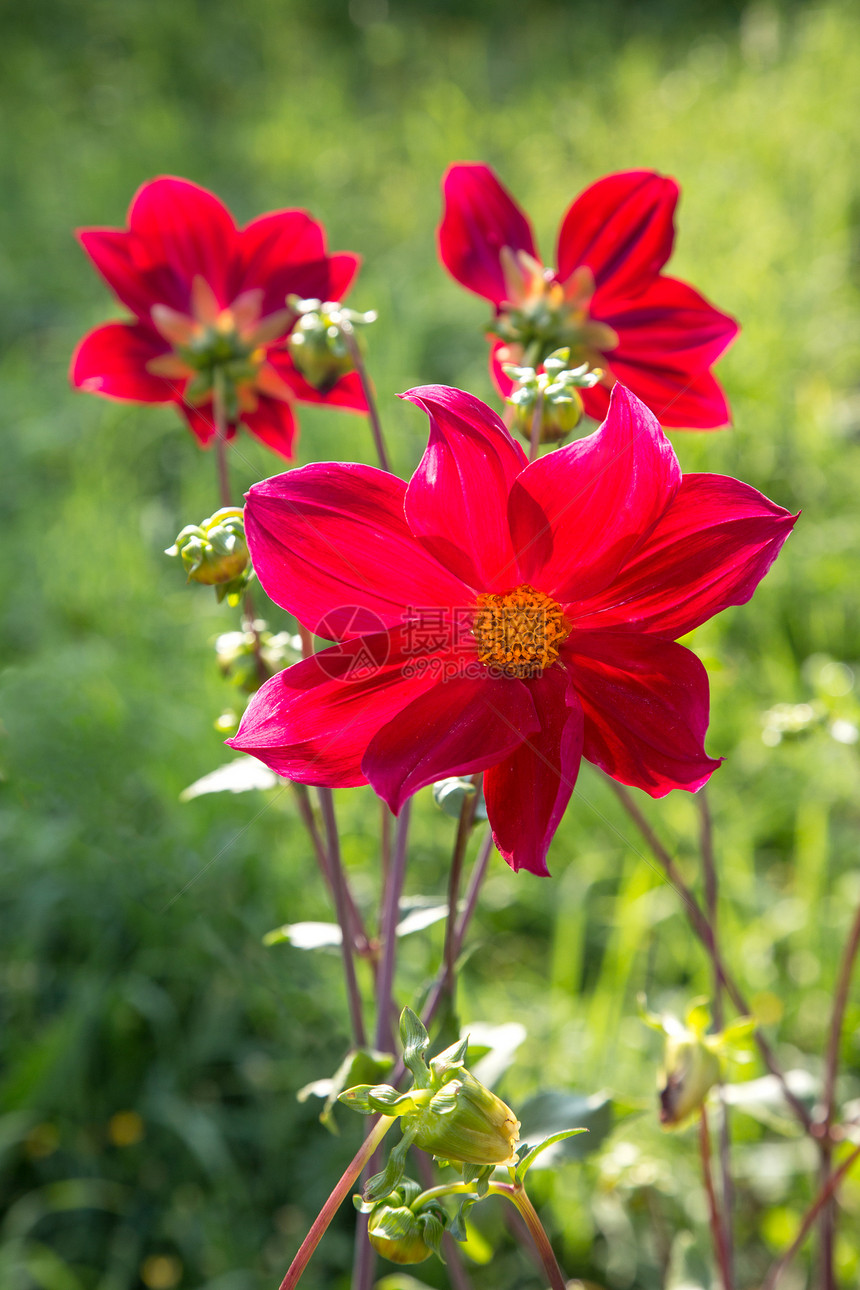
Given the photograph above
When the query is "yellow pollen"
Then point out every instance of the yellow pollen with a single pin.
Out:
(519, 633)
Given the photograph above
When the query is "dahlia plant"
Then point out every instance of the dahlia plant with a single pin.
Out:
(480, 629)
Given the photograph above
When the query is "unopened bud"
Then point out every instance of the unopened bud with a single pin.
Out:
(690, 1071)
(401, 1234)
(320, 340)
(552, 394)
(465, 1122)
(215, 552)
(693, 1057)
(447, 1111)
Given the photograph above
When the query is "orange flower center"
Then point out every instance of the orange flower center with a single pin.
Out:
(520, 632)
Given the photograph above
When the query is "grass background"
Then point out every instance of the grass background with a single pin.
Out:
(134, 982)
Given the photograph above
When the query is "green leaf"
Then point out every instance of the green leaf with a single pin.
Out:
(306, 936)
(242, 775)
(360, 1066)
(552, 1111)
(763, 1099)
(421, 916)
(531, 1156)
(492, 1049)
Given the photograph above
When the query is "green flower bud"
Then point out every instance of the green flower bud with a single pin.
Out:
(690, 1071)
(467, 1123)
(401, 1233)
(693, 1057)
(215, 552)
(447, 1111)
(397, 1234)
(320, 340)
(556, 388)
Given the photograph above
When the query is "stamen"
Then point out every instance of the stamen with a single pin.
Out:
(519, 632)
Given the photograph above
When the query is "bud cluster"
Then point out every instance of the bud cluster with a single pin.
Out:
(403, 1227)
(323, 339)
(215, 553)
(693, 1059)
(555, 388)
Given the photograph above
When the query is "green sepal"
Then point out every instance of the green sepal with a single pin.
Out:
(384, 1183)
(416, 1041)
(378, 1099)
(449, 1060)
(457, 1225)
(433, 1231)
(479, 1175)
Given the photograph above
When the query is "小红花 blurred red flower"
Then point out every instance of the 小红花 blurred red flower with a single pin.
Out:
(210, 306)
(606, 300)
(502, 617)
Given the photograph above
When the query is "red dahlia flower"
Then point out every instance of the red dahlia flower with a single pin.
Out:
(209, 297)
(607, 299)
(502, 617)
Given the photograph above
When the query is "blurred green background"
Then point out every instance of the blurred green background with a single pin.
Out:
(151, 1047)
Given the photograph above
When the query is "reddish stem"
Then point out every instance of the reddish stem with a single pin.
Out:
(330, 1208)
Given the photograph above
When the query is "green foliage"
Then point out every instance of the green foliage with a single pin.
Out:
(152, 1047)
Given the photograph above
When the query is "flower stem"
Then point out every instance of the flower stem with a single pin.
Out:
(370, 399)
(717, 1231)
(831, 1068)
(388, 932)
(329, 1209)
(360, 938)
(326, 802)
(711, 885)
(703, 930)
(812, 1213)
(555, 1276)
(365, 1258)
(219, 413)
(464, 828)
(478, 873)
(516, 1194)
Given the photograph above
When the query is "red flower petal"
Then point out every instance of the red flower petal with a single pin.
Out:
(480, 217)
(111, 251)
(622, 229)
(273, 423)
(111, 360)
(187, 228)
(314, 721)
(678, 399)
(458, 727)
(528, 791)
(577, 513)
(646, 709)
(346, 393)
(342, 268)
(284, 253)
(329, 542)
(669, 323)
(710, 550)
(201, 422)
(456, 502)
